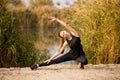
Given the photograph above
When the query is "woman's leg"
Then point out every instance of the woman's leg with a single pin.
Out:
(66, 57)
(83, 61)
(63, 58)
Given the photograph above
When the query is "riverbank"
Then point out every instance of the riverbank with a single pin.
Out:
(63, 72)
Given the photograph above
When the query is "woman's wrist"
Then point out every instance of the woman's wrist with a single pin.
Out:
(51, 58)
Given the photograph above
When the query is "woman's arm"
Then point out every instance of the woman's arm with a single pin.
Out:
(57, 53)
(67, 26)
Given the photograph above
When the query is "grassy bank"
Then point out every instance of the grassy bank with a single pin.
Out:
(26, 33)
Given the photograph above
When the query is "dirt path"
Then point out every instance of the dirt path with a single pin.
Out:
(63, 72)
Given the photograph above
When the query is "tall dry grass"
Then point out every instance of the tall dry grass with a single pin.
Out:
(35, 24)
(98, 23)
(16, 44)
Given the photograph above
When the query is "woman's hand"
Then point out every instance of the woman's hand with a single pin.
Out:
(48, 61)
(52, 18)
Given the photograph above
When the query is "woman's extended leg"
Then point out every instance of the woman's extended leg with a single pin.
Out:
(66, 57)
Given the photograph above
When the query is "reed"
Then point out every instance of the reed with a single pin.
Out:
(97, 22)
(98, 25)
(26, 33)
(17, 37)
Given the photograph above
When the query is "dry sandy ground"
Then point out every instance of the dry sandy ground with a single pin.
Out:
(63, 72)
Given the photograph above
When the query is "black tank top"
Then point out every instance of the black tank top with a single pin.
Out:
(75, 46)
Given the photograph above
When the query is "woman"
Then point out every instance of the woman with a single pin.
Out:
(73, 41)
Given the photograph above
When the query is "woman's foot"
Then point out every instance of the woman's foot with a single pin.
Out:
(34, 67)
(82, 66)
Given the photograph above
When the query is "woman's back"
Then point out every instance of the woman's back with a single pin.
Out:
(75, 46)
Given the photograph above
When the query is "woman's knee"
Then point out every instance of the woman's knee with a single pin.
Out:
(82, 59)
(85, 62)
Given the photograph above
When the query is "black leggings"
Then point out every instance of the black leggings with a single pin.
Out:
(66, 57)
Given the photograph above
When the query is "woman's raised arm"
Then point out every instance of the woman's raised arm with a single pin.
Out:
(67, 26)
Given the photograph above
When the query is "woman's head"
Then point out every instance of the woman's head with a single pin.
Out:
(63, 34)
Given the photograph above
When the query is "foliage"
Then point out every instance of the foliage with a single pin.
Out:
(98, 23)
(26, 33)
(16, 2)
(16, 45)
(37, 3)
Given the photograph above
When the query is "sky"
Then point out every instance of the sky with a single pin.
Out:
(57, 3)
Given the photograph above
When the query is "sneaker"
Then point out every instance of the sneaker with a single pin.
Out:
(33, 67)
(82, 66)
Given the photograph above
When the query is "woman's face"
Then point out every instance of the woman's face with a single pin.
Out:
(64, 34)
